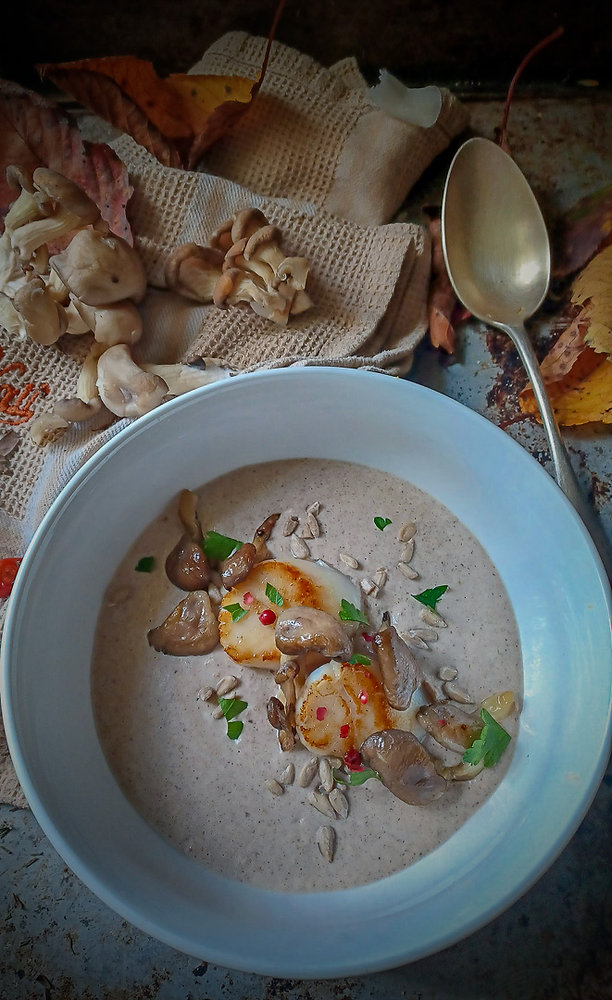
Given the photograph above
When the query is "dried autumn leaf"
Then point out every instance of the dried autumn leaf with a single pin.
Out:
(35, 132)
(592, 289)
(588, 400)
(175, 118)
(577, 378)
(586, 228)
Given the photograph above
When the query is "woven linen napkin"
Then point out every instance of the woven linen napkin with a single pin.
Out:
(324, 165)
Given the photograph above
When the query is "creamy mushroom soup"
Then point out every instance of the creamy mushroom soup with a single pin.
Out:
(243, 806)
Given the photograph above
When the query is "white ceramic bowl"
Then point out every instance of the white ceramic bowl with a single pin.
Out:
(561, 601)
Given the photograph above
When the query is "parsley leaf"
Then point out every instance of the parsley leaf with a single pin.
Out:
(273, 595)
(349, 613)
(355, 777)
(231, 707)
(430, 597)
(365, 661)
(218, 547)
(236, 611)
(491, 743)
(145, 565)
(381, 522)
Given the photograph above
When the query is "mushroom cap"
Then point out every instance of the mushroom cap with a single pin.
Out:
(398, 667)
(246, 222)
(294, 270)
(303, 629)
(44, 319)
(192, 270)
(449, 725)
(266, 236)
(125, 389)
(100, 268)
(187, 566)
(190, 630)
(66, 193)
(404, 766)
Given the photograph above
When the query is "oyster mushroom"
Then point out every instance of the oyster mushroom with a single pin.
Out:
(70, 210)
(451, 727)
(117, 323)
(293, 270)
(124, 388)
(302, 629)
(247, 222)
(191, 629)
(404, 766)
(100, 268)
(192, 270)
(265, 245)
(187, 566)
(238, 565)
(398, 667)
(44, 319)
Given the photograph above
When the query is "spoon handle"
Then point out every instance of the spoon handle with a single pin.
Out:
(564, 472)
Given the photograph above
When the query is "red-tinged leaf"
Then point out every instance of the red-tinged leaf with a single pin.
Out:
(35, 132)
(442, 301)
(586, 228)
(175, 118)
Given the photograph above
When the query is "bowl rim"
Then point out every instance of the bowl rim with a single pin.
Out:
(382, 896)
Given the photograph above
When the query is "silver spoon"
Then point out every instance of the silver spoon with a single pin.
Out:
(497, 255)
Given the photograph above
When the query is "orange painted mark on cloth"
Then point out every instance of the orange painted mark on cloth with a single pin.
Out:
(17, 402)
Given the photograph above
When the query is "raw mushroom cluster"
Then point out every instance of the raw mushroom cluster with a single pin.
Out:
(243, 263)
(92, 286)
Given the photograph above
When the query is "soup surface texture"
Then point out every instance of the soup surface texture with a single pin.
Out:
(208, 794)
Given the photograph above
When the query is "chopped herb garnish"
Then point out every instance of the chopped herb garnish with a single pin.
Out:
(273, 595)
(349, 613)
(234, 729)
(430, 597)
(145, 565)
(231, 707)
(355, 777)
(382, 522)
(491, 743)
(218, 547)
(236, 611)
(358, 658)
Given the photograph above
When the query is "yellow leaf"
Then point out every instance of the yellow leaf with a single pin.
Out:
(592, 289)
(588, 400)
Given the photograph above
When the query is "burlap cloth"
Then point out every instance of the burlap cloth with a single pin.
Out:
(326, 166)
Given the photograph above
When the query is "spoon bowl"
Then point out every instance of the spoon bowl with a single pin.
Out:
(497, 256)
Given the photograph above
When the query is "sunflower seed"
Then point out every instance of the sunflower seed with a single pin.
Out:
(339, 802)
(407, 531)
(348, 560)
(205, 694)
(314, 508)
(431, 617)
(322, 804)
(326, 842)
(226, 684)
(326, 776)
(408, 551)
(304, 531)
(415, 640)
(274, 786)
(287, 775)
(428, 634)
(447, 673)
(217, 712)
(456, 693)
(308, 772)
(407, 570)
(380, 577)
(290, 525)
(368, 586)
(298, 547)
(313, 524)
